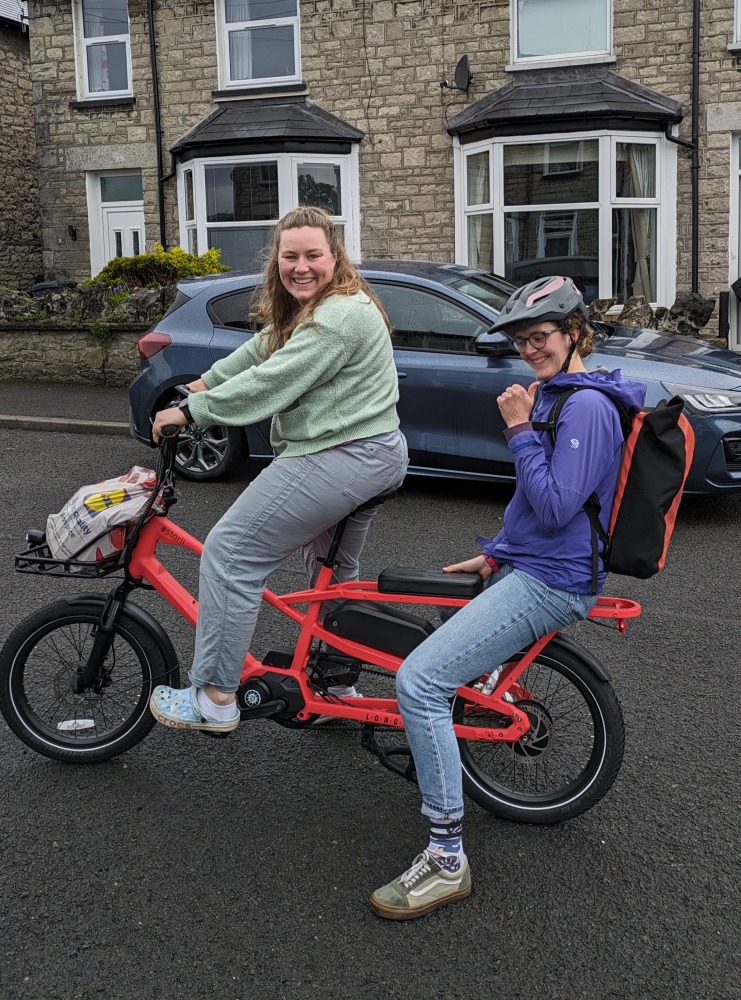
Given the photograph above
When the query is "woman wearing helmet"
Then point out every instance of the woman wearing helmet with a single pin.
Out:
(538, 569)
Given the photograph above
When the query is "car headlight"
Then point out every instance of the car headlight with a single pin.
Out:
(704, 400)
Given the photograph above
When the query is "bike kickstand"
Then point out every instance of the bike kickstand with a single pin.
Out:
(386, 755)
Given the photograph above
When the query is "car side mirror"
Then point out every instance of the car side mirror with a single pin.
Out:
(494, 344)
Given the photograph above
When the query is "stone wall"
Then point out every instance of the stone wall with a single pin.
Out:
(20, 226)
(69, 354)
(377, 65)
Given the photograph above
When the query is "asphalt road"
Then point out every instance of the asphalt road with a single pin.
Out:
(240, 869)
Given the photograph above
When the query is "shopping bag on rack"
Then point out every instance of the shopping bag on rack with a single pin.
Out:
(92, 525)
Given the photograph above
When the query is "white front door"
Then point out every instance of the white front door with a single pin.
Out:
(123, 232)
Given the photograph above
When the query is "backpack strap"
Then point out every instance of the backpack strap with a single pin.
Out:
(591, 505)
(551, 423)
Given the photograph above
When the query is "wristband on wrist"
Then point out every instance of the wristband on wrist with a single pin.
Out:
(492, 562)
(183, 406)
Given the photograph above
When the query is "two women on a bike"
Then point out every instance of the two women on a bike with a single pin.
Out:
(539, 567)
(323, 368)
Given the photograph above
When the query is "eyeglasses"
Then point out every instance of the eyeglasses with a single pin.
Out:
(536, 340)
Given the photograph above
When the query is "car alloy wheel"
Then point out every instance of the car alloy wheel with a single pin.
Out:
(208, 453)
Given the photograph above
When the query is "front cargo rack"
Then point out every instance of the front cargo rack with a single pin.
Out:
(38, 559)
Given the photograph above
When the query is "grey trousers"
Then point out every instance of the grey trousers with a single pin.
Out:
(293, 504)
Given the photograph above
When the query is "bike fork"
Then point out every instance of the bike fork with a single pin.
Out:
(92, 673)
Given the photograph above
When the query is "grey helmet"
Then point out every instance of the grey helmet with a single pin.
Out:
(547, 298)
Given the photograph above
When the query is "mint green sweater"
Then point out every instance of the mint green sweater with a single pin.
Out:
(334, 381)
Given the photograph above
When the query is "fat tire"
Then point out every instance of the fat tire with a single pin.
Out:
(505, 781)
(38, 664)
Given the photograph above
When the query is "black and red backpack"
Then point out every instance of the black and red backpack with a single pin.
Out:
(658, 450)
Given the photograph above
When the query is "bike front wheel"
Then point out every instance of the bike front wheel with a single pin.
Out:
(569, 758)
(38, 696)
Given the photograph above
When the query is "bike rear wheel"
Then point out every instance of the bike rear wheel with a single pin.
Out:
(566, 762)
(38, 669)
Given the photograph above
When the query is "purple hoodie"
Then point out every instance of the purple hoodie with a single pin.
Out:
(545, 531)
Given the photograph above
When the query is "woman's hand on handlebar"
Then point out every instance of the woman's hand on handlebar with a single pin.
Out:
(171, 417)
(476, 565)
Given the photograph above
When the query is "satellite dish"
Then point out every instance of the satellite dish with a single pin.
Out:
(463, 75)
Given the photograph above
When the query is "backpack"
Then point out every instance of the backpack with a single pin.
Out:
(656, 459)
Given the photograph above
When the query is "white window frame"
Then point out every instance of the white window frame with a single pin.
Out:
(81, 69)
(288, 164)
(557, 168)
(564, 58)
(224, 29)
(665, 202)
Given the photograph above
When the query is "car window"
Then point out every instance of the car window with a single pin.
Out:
(234, 310)
(428, 322)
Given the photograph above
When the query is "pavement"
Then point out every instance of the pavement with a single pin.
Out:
(65, 407)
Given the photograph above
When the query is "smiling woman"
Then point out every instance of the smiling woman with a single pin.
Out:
(323, 368)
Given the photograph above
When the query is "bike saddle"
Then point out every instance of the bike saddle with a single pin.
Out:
(377, 501)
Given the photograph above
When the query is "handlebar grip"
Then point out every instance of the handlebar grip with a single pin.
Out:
(171, 430)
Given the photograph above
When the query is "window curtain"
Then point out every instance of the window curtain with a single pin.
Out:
(480, 248)
(238, 10)
(642, 175)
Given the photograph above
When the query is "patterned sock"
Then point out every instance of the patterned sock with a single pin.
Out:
(220, 713)
(446, 843)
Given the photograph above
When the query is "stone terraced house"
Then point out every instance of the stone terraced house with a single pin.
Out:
(595, 137)
(20, 226)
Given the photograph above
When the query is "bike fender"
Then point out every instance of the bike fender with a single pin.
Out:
(581, 652)
(148, 622)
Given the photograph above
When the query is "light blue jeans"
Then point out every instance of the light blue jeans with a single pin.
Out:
(513, 611)
(293, 504)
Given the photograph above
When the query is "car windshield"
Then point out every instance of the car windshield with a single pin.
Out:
(484, 288)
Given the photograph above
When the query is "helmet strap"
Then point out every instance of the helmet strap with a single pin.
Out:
(569, 356)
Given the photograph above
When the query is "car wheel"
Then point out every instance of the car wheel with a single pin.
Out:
(209, 453)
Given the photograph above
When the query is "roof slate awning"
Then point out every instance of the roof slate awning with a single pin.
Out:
(560, 105)
(255, 126)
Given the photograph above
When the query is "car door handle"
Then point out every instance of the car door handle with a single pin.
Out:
(401, 374)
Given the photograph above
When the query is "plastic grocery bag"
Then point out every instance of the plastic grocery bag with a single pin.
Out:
(92, 525)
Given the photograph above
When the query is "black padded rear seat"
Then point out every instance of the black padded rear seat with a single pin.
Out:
(428, 582)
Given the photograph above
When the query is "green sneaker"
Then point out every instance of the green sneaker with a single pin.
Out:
(421, 889)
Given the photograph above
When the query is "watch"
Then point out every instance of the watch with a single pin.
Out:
(183, 405)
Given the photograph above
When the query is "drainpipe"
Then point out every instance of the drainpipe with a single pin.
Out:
(694, 145)
(157, 125)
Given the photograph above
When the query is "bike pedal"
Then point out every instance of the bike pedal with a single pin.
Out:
(215, 736)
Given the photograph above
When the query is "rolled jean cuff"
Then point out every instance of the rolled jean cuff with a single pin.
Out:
(441, 815)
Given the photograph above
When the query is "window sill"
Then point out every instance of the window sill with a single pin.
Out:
(734, 48)
(274, 90)
(104, 102)
(556, 63)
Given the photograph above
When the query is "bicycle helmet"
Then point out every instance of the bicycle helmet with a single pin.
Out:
(547, 298)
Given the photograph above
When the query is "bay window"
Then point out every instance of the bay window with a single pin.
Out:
(587, 207)
(233, 203)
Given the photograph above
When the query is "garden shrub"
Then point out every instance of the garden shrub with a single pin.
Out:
(160, 267)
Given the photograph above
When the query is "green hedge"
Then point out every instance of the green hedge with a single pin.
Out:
(160, 267)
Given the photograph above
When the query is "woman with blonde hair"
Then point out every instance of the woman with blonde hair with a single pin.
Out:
(323, 368)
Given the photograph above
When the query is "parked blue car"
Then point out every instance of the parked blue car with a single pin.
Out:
(451, 369)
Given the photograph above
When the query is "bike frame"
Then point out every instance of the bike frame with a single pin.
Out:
(145, 568)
